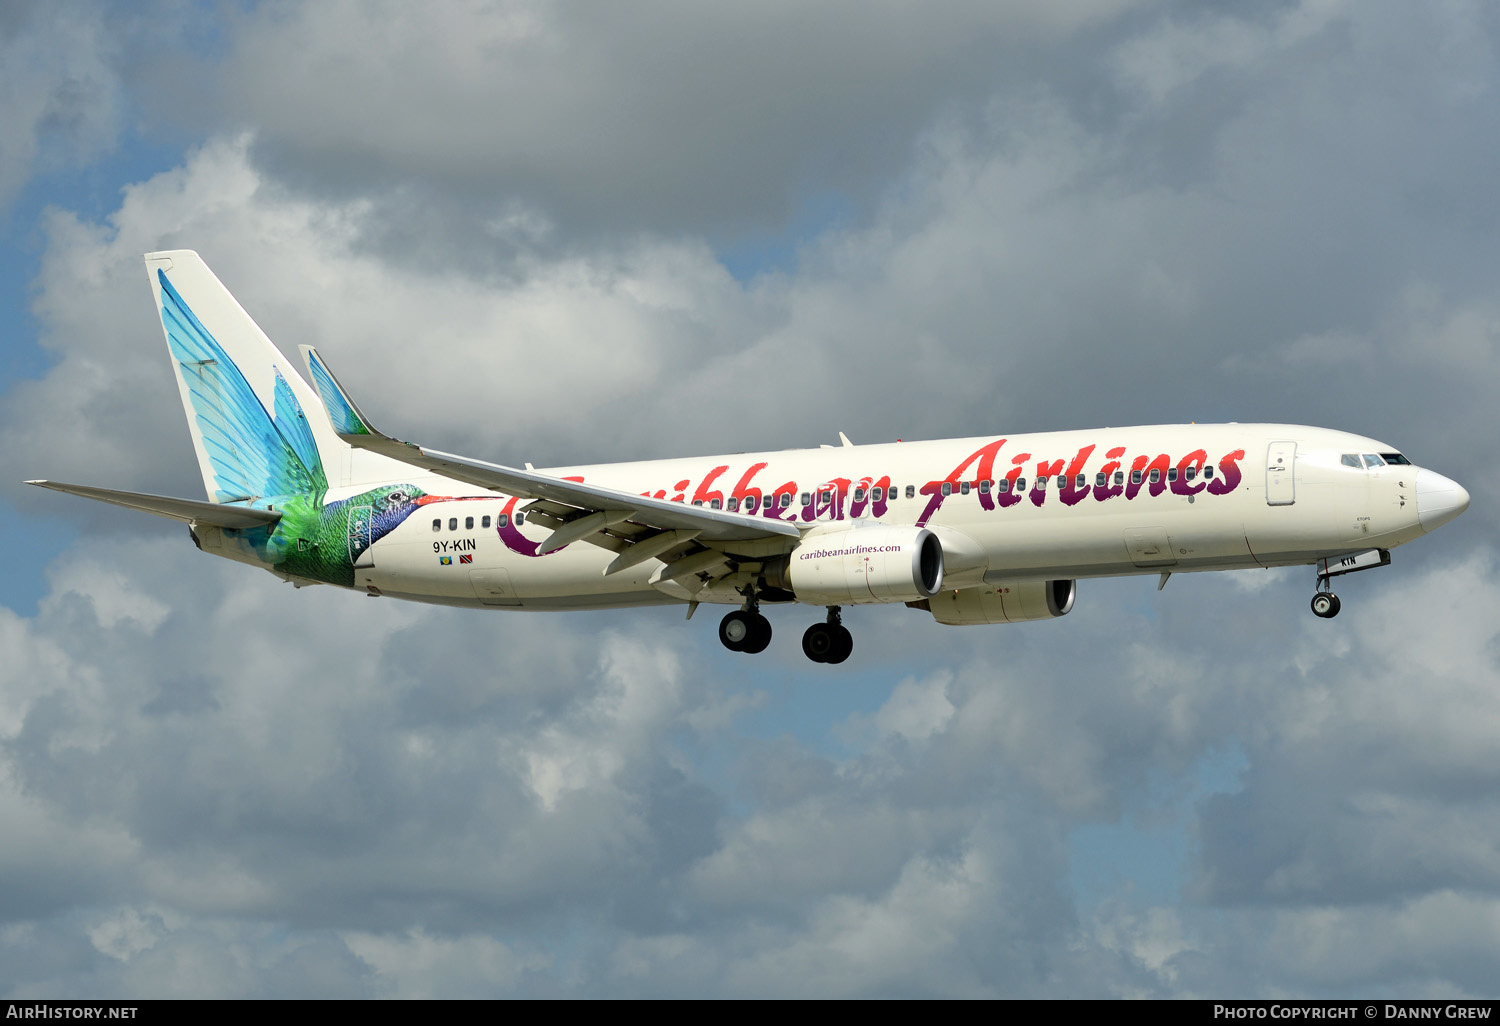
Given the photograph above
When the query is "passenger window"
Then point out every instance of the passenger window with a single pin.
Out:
(963, 489)
(825, 496)
(1082, 478)
(786, 499)
(859, 495)
(520, 518)
(947, 488)
(807, 498)
(878, 494)
(1208, 471)
(734, 505)
(1020, 484)
(911, 491)
(1350, 459)
(1002, 485)
(715, 503)
(1171, 473)
(1119, 478)
(1189, 473)
(485, 522)
(750, 504)
(1099, 479)
(1135, 477)
(984, 487)
(453, 524)
(437, 525)
(503, 520)
(468, 523)
(1041, 483)
(697, 502)
(1155, 476)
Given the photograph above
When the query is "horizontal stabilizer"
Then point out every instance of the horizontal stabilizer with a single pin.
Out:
(210, 513)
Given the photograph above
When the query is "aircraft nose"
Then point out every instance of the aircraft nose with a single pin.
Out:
(1439, 499)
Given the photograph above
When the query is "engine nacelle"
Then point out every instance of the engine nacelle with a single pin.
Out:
(1007, 602)
(868, 563)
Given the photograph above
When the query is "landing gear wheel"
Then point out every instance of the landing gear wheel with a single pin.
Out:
(760, 637)
(818, 642)
(737, 630)
(745, 631)
(843, 644)
(1326, 605)
(827, 643)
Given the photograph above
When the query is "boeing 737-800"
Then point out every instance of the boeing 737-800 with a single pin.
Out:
(994, 529)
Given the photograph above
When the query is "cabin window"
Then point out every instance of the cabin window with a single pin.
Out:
(453, 523)
(859, 495)
(911, 491)
(486, 521)
(697, 502)
(1020, 484)
(807, 498)
(1371, 460)
(1135, 477)
(503, 520)
(1155, 476)
(1080, 481)
(1100, 479)
(1171, 473)
(750, 504)
(878, 494)
(437, 525)
(1041, 483)
(1119, 478)
(1208, 471)
(520, 518)
(947, 488)
(963, 489)
(715, 503)
(734, 504)
(825, 496)
(1189, 473)
(468, 523)
(984, 487)
(1002, 485)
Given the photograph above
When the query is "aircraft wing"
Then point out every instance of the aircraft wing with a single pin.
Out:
(187, 510)
(595, 507)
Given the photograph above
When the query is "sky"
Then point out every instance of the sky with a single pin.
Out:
(572, 233)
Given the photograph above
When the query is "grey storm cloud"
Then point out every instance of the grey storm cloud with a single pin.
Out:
(500, 224)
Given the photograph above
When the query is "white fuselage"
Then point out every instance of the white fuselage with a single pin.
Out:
(1130, 501)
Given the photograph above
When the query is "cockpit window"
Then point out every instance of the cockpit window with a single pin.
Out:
(1350, 459)
(1371, 460)
(1395, 459)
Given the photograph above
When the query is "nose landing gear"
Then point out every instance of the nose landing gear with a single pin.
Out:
(1325, 604)
(828, 642)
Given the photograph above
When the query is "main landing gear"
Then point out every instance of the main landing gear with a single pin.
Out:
(746, 630)
(828, 642)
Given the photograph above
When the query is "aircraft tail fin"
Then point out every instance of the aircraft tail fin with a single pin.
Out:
(244, 400)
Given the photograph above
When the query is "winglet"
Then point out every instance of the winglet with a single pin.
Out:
(347, 419)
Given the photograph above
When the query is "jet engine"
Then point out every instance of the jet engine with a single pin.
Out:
(868, 563)
(1006, 602)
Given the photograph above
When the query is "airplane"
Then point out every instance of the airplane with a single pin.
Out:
(986, 530)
